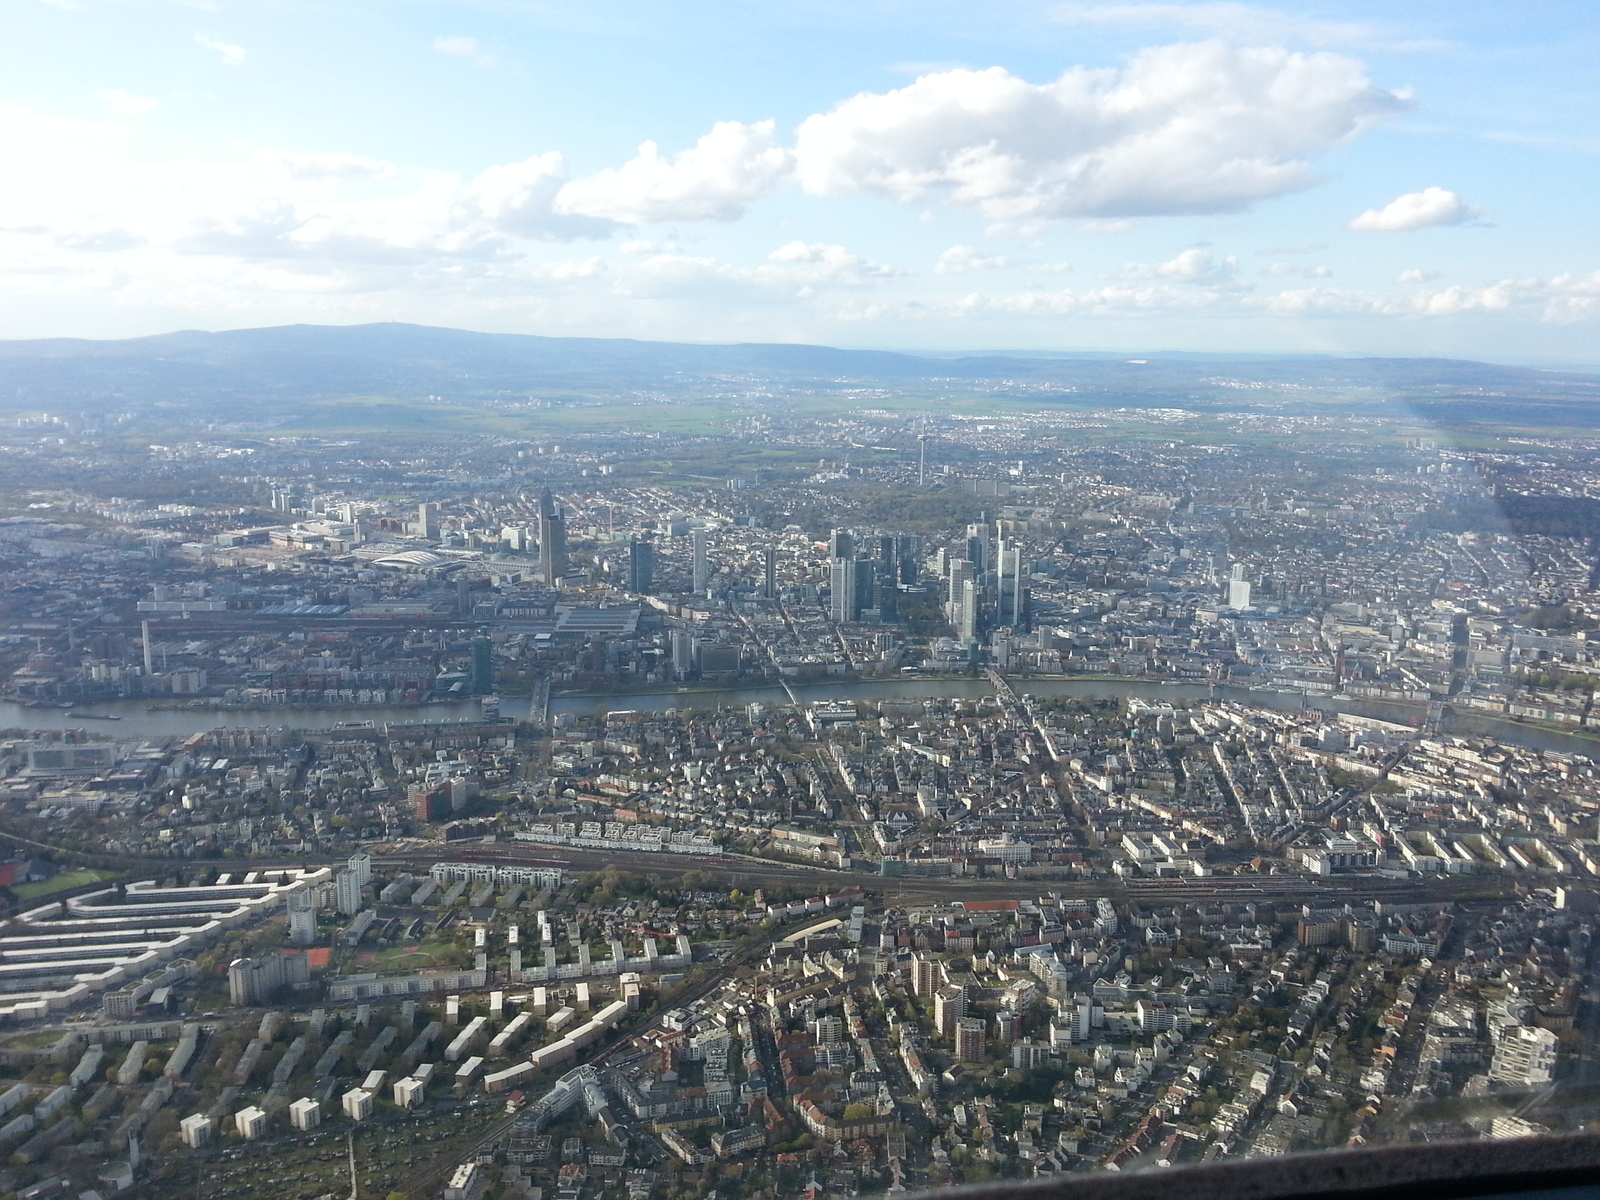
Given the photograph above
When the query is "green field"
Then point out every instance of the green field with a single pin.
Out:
(61, 883)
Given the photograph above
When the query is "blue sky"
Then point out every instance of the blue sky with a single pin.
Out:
(1352, 178)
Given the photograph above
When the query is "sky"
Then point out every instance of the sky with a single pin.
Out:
(1351, 178)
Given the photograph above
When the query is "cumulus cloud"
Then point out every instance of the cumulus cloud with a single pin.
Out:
(958, 260)
(715, 180)
(1191, 266)
(231, 55)
(1415, 210)
(831, 262)
(125, 104)
(467, 48)
(1199, 128)
(1415, 275)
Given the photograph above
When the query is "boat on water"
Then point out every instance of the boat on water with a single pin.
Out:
(99, 716)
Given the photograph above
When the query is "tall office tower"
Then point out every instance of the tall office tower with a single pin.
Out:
(428, 520)
(967, 627)
(1238, 593)
(866, 574)
(887, 599)
(960, 572)
(978, 547)
(1019, 593)
(702, 574)
(769, 582)
(682, 651)
(886, 564)
(552, 541)
(482, 666)
(909, 548)
(841, 544)
(641, 565)
(360, 865)
(842, 590)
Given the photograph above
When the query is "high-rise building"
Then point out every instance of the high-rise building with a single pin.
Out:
(841, 544)
(347, 893)
(552, 541)
(641, 565)
(429, 801)
(843, 600)
(254, 981)
(428, 520)
(958, 572)
(361, 865)
(305, 1114)
(1238, 593)
(924, 975)
(769, 579)
(967, 623)
(1524, 1056)
(682, 651)
(866, 575)
(949, 1007)
(909, 549)
(969, 1040)
(302, 917)
(482, 680)
(886, 597)
(702, 573)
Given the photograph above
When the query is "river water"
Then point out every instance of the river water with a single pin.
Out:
(137, 721)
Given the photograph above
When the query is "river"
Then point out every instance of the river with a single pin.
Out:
(137, 721)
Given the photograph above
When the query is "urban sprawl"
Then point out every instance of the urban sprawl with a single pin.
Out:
(810, 807)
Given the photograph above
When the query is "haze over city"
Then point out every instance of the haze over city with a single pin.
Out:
(1359, 178)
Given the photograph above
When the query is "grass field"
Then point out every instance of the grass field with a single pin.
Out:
(61, 883)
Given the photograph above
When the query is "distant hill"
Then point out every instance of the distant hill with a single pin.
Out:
(297, 362)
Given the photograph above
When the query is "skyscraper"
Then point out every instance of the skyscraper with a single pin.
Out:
(552, 541)
(641, 565)
(968, 623)
(482, 666)
(702, 573)
(428, 520)
(769, 583)
(843, 601)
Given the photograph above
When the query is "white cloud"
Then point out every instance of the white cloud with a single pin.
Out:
(1415, 210)
(231, 55)
(125, 104)
(1416, 275)
(958, 260)
(1240, 22)
(1191, 266)
(823, 261)
(714, 180)
(467, 48)
(1201, 128)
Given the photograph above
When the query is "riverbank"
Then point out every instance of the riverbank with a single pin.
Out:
(138, 721)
